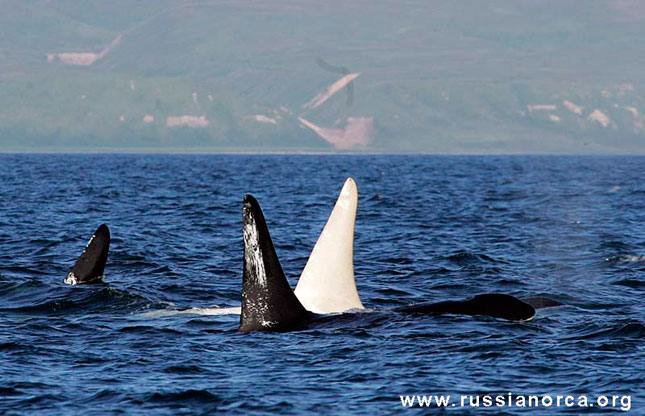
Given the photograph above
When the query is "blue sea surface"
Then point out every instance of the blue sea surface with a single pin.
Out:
(429, 228)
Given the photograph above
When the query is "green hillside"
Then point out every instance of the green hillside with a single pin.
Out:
(505, 76)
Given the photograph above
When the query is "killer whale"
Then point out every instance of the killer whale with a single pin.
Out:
(89, 267)
(327, 285)
(269, 304)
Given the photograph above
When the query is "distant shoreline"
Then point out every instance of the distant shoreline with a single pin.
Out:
(210, 151)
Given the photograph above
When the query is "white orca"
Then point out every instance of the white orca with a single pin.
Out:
(327, 283)
(90, 265)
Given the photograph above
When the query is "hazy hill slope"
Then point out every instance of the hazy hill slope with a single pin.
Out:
(439, 76)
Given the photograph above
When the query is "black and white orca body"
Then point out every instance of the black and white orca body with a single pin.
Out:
(90, 265)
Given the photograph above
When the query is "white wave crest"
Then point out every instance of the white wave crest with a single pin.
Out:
(192, 311)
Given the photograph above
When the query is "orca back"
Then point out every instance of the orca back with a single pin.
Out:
(496, 305)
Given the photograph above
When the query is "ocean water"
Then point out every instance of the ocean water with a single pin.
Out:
(429, 228)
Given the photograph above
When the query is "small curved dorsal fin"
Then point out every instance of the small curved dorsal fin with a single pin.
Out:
(327, 283)
(90, 265)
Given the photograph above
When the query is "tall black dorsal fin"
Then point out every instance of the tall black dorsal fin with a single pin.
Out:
(90, 265)
(268, 303)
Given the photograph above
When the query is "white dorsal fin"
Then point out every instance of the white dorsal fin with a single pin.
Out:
(327, 284)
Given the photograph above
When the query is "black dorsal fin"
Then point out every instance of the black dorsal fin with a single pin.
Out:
(90, 265)
(268, 302)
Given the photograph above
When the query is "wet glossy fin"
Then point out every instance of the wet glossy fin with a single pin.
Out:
(327, 283)
(268, 303)
(90, 265)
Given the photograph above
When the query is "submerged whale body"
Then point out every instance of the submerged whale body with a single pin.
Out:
(269, 304)
(90, 265)
(496, 305)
